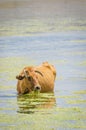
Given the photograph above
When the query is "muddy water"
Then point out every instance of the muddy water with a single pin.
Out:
(32, 32)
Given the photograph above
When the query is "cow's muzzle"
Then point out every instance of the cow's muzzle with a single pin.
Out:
(26, 91)
(37, 88)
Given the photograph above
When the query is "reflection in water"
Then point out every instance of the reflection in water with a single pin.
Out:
(31, 103)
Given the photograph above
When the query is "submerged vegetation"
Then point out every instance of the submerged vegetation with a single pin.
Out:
(40, 111)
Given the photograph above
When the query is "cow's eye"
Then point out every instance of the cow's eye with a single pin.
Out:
(29, 78)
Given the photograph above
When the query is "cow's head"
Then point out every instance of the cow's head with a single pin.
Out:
(28, 80)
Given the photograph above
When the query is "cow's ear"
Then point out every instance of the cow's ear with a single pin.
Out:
(46, 64)
(19, 77)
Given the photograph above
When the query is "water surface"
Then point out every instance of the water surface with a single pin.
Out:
(32, 32)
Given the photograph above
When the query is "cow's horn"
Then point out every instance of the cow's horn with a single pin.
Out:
(38, 72)
(25, 73)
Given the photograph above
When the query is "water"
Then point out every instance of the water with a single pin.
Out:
(32, 32)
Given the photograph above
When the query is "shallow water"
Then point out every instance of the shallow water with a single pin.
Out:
(32, 32)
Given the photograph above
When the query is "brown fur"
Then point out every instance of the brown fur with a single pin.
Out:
(42, 76)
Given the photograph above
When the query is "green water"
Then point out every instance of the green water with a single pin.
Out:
(32, 32)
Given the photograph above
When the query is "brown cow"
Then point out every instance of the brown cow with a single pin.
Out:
(40, 78)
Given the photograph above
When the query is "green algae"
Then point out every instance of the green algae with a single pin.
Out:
(76, 101)
(30, 27)
(65, 118)
(75, 98)
(39, 111)
(80, 92)
(83, 63)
